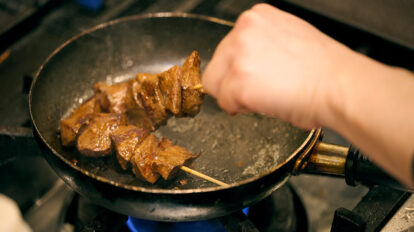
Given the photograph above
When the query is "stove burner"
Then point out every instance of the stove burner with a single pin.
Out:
(282, 211)
(140, 225)
(213, 225)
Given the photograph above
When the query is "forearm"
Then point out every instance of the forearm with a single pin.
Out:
(372, 105)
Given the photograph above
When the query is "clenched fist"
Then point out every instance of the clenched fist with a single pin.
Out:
(276, 64)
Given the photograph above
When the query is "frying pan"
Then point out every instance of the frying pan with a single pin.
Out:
(254, 154)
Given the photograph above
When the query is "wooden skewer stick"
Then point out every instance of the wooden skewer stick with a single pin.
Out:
(199, 87)
(201, 175)
(194, 172)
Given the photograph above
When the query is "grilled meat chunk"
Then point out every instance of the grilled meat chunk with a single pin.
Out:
(170, 86)
(139, 118)
(152, 98)
(116, 98)
(136, 89)
(137, 115)
(169, 160)
(125, 139)
(153, 158)
(143, 159)
(165, 143)
(94, 140)
(124, 98)
(70, 126)
(191, 98)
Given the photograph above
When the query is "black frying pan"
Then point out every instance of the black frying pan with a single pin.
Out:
(254, 154)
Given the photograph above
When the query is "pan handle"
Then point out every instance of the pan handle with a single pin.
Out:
(359, 169)
(348, 162)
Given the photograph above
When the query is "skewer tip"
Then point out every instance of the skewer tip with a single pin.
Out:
(199, 87)
(203, 176)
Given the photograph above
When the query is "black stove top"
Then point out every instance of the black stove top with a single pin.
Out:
(30, 30)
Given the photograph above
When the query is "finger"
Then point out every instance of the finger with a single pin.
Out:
(217, 68)
(224, 54)
(269, 12)
(264, 8)
(229, 97)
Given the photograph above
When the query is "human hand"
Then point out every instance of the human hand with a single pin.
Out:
(276, 64)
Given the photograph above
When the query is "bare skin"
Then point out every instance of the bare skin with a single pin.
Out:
(279, 65)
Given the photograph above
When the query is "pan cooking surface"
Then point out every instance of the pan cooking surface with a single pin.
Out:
(234, 148)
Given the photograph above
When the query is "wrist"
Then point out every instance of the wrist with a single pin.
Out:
(370, 104)
(335, 103)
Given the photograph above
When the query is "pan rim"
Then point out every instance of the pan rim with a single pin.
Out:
(133, 187)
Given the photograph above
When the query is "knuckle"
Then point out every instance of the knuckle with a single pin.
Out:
(240, 41)
(225, 101)
(244, 97)
(260, 6)
(235, 73)
(247, 18)
(246, 32)
(239, 69)
(228, 98)
(224, 105)
(243, 42)
(238, 80)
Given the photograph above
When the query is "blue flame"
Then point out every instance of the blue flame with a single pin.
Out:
(140, 225)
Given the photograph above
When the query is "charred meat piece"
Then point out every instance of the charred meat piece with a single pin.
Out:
(124, 98)
(165, 143)
(170, 85)
(138, 115)
(143, 159)
(192, 98)
(125, 139)
(116, 98)
(70, 126)
(153, 158)
(152, 98)
(136, 89)
(169, 160)
(94, 140)
(139, 118)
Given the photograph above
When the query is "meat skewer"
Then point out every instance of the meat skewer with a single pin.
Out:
(120, 118)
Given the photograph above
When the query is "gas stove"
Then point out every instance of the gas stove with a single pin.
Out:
(30, 30)
(282, 211)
